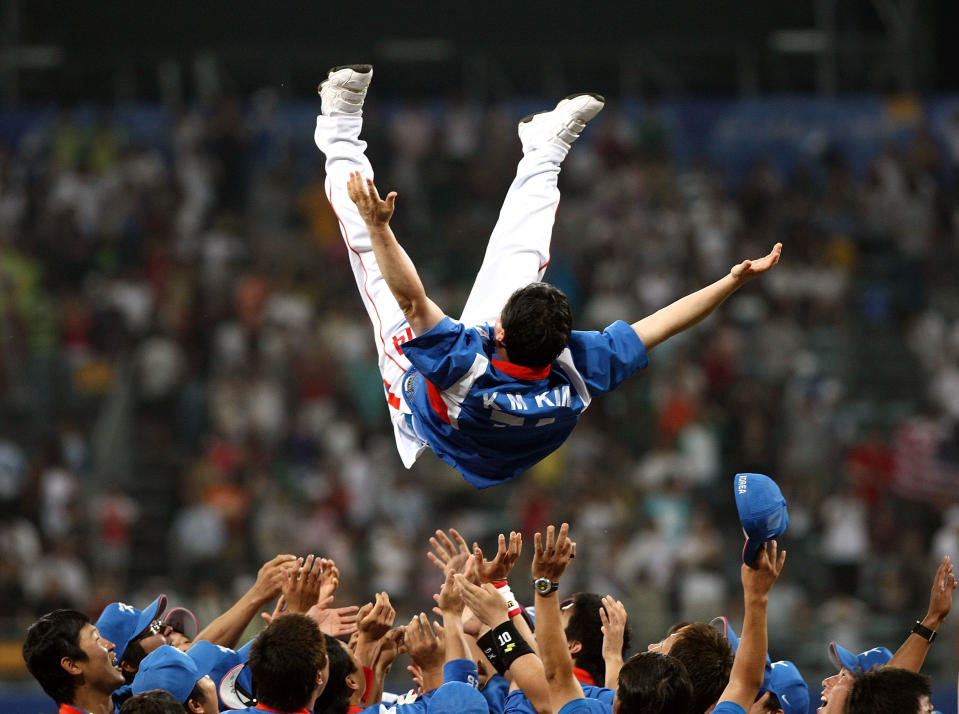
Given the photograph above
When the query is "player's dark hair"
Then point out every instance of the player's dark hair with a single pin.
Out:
(654, 683)
(132, 656)
(51, 638)
(537, 322)
(196, 695)
(585, 626)
(155, 701)
(888, 690)
(335, 698)
(772, 703)
(708, 658)
(284, 660)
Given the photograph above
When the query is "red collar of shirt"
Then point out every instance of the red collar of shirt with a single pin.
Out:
(583, 676)
(70, 709)
(521, 372)
(354, 709)
(265, 708)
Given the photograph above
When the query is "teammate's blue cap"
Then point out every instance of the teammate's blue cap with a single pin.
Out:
(722, 624)
(169, 669)
(784, 680)
(762, 511)
(217, 660)
(120, 622)
(457, 698)
(858, 664)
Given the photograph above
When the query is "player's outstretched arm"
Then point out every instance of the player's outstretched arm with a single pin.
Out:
(746, 676)
(912, 653)
(395, 265)
(695, 307)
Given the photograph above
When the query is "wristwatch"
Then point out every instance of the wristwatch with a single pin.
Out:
(545, 586)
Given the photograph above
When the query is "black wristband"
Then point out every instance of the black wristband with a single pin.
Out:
(487, 643)
(511, 644)
(924, 632)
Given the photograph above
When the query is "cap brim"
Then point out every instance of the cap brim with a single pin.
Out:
(751, 549)
(843, 658)
(183, 621)
(231, 696)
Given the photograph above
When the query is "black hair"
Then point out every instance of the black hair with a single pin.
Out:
(585, 626)
(708, 658)
(887, 690)
(51, 638)
(284, 660)
(654, 683)
(155, 701)
(537, 323)
(335, 698)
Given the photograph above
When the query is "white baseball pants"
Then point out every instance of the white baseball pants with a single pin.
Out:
(517, 254)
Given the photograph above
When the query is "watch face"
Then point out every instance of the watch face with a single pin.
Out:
(543, 585)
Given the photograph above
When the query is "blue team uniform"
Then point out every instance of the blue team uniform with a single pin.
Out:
(492, 420)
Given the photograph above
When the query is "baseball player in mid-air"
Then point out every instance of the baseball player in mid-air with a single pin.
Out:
(502, 387)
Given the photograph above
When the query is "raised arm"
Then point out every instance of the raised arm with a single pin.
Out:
(695, 307)
(912, 653)
(395, 265)
(551, 556)
(227, 629)
(746, 676)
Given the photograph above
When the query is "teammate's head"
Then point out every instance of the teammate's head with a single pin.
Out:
(156, 701)
(289, 664)
(889, 690)
(707, 656)
(345, 679)
(537, 322)
(583, 627)
(63, 650)
(653, 683)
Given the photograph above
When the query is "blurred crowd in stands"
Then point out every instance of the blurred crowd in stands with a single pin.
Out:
(188, 387)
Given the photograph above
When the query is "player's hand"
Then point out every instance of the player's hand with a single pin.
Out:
(423, 645)
(334, 621)
(330, 578)
(940, 597)
(271, 577)
(373, 210)
(551, 555)
(449, 599)
(449, 552)
(749, 269)
(484, 600)
(497, 569)
(375, 619)
(302, 587)
(758, 579)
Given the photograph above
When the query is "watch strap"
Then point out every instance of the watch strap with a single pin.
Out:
(924, 632)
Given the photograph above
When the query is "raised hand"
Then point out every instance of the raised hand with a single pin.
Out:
(552, 555)
(940, 597)
(272, 575)
(301, 588)
(485, 602)
(376, 619)
(373, 210)
(449, 552)
(334, 621)
(758, 579)
(749, 269)
(497, 569)
(329, 580)
(613, 616)
(423, 644)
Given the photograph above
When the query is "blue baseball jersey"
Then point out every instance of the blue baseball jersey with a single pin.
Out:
(492, 420)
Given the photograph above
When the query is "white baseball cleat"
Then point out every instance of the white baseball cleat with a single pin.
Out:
(343, 91)
(563, 124)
